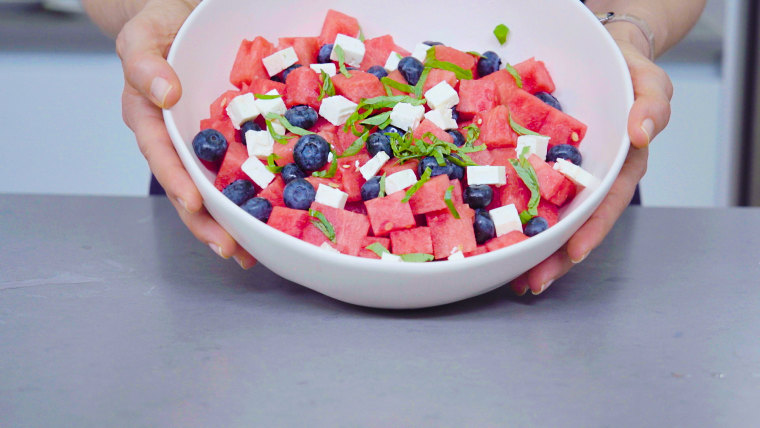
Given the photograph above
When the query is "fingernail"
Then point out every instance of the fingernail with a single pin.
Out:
(183, 204)
(218, 250)
(648, 127)
(159, 89)
(582, 258)
(243, 262)
(519, 289)
(543, 287)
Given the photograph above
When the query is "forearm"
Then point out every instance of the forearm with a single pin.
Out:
(669, 20)
(111, 15)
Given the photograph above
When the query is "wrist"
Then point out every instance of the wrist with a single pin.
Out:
(632, 30)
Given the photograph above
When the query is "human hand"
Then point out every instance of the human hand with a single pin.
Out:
(151, 84)
(649, 115)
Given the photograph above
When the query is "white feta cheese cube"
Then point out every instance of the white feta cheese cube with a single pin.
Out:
(391, 63)
(260, 143)
(241, 109)
(399, 181)
(328, 247)
(442, 118)
(275, 105)
(280, 60)
(388, 257)
(536, 144)
(258, 172)
(328, 68)
(487, 174)
(331, 196)
(277, 127)
(370, 169)
(337, 109)
(575, 173)
(457, 254)
(353, 50)
(442, 95)
(420, 51)
(407, 116)
(506, 219)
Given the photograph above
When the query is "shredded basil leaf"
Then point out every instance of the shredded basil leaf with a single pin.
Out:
(377, 248)
(271, 165)
(501, 32)
(521, 130)
(356, 146)
(390, 83)
(515, 74)
(460, 72)
(377, 120)
(381, 193)
(320, 222)
(412, 190)
(473, 53)
(327, 89)
(282, 139)
(294, 129)
(329, 172)
(528, 175)
(448, 199)
(341, 61)
(266, 96)
(417, 257)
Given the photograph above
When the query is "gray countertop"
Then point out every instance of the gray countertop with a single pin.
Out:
(112, 314)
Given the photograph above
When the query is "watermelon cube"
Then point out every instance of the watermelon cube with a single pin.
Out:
(351, 178)
(548, 211)
(378, 49)
(302, 86)
(369, 240)
(515, 191)
(505, 84)
(562, 128)
(436, 76)
(350, 229)
(501, 156)
(505, 240)
(429, 197)
(262, 86)
(410, 241)
(476, 96)
(248, 65)
(306, 48)
(218, 108)
(451, 234)
(393, 166)
(426, 126)
(495, 129)
(554, 186)
(456, 193)
(388, 213)
(229, 170)
(535, 77)
(338, 23)
(288, 220)
(528, 110)
(398, 77)
(455, 56)
(273, 192)
(284, 152)
(360, 85)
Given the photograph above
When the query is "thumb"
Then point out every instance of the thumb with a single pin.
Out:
(143, 44)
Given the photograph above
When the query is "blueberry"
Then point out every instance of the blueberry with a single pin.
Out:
(411, 68)
(248, 126)
(210, 145)
(323, 56)
(288, 70)
(457, 136)
(378, 70)
(298, 194)
(276, 78)
(239, 191)
(310, 152)
(392, 129)
(258, 207)
(302, 116)
(435, 169)
(535, 226)
(483, 226)
(478, 195)
(429, 43)
(564, 151)
(457, 172)
(378, 142)
(455, 114)
(488, 63)
(371, 188)
(549, 99)
(291, 171)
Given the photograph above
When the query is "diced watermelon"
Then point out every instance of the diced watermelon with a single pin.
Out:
(316, 181)
(262, 86)
(343, 140)
(456, 193)
(505, 84)
(224, 126)
(337, 23)
(548, 211)
(350, 229)
(505, 240)
(528, 110)
(288, 220)
(359, 85)
(273, 192)
(480, 249)
(562, 128)
(495, 129)
(482, 157)
(429, 197)
(393, 166)
(436, 76)
(554, 186)
(476, 96)
(248, 63)
(369, 240)
(501, 156)
(451, 234)
(515, 191)
(218, 108)
(230, 170)
(388, 213)
(351, 178)
(356, 207)
(306, 48)
(302, 86)
(535, 77)
(398, 77)
(378, 49)
(410, 241)
(284, 152)
(323, 125)
(455, 56)
(427, 126)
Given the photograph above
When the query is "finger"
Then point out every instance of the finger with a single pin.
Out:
(143, 44)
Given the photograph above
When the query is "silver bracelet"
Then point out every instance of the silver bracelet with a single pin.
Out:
(609, 17)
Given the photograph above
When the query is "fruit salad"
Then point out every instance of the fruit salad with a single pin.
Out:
(362, 147)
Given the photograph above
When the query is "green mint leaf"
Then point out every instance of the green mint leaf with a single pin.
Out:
(361, 34)
(525, 217)
(460, 72)
(294, 129)
(377, 248)
(473, 133)
(390, 83)
(417, 257)
(281, 139)
(266, 96)
(329, 172)
(473, 53)
(271, 165)
(320, 222)
(327, 89)
(377, 120)
(528, 176)
(356, 146)
(421, 82)
(515, 74)
(521, 130)
(389, 101)
(412, 190)
(381, 193)
(448, 199)
(341, 61)
(501, 32)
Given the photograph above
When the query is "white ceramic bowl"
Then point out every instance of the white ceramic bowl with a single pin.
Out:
(592, 81)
